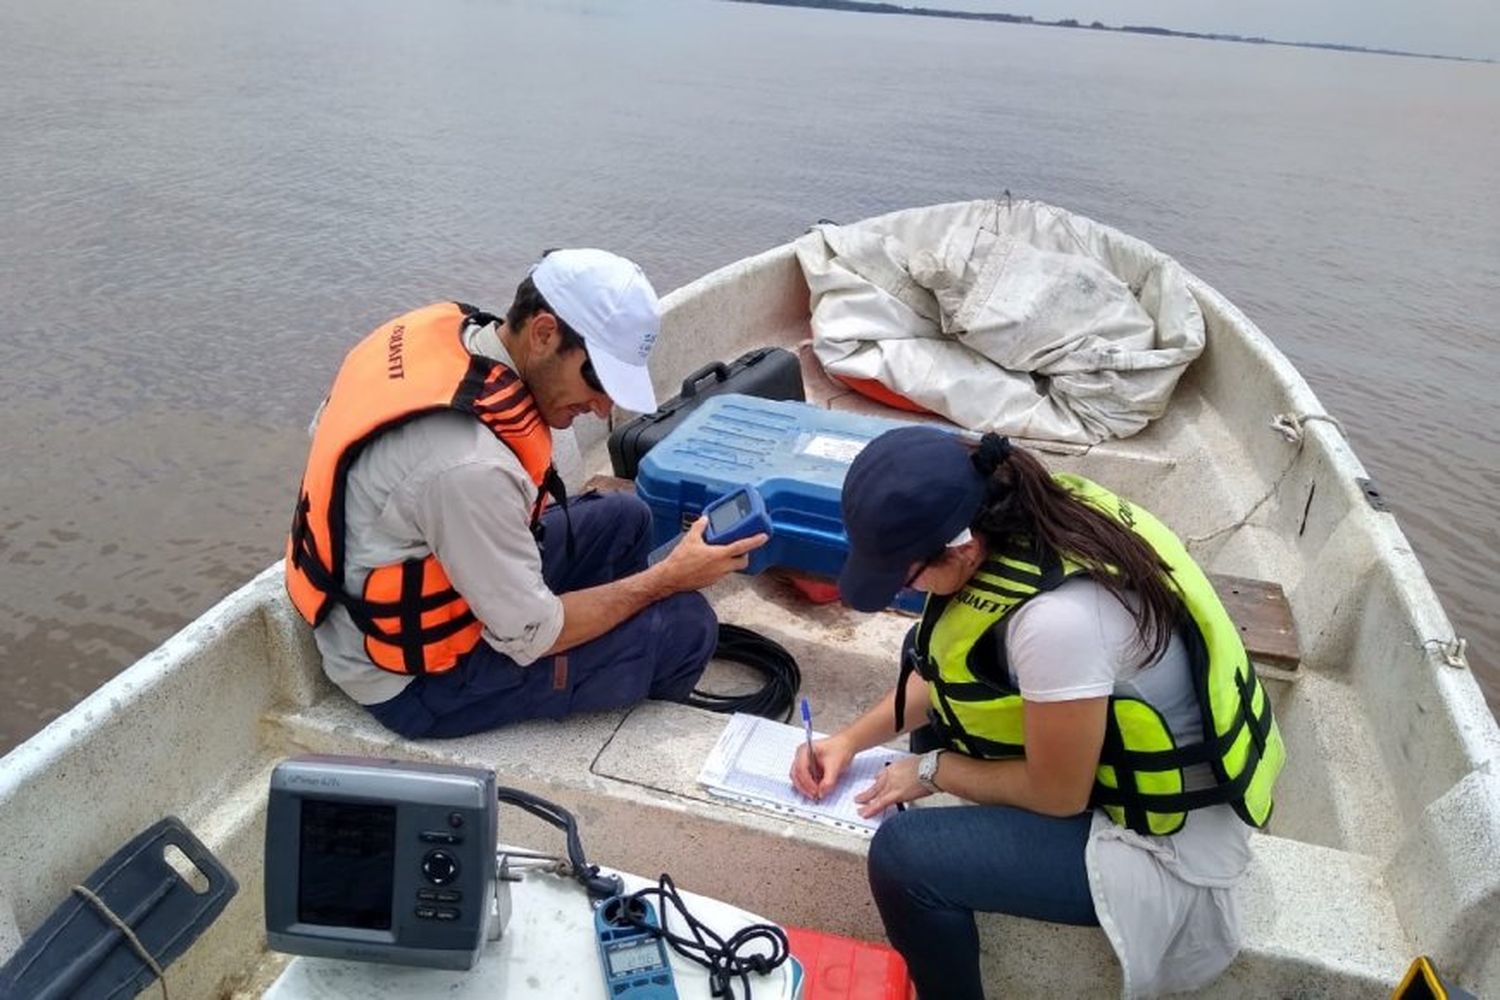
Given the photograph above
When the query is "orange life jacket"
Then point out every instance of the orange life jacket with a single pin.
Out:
(413, 621)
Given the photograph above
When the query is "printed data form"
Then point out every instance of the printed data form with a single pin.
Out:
(752, 763)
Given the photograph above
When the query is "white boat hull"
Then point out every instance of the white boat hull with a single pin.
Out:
(1387, 831)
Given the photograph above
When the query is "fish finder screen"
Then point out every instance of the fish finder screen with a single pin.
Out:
(727, 515)
(634, 958)
(347, 868)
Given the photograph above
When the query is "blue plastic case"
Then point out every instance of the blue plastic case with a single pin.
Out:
(794, 454)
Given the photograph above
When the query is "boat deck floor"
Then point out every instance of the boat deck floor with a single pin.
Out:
(630, 777)
(1317, 915)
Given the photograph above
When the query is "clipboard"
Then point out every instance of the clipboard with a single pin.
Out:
(751, 761)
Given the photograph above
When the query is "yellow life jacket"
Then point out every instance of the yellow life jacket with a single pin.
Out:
(1139, 781)
(413, 621)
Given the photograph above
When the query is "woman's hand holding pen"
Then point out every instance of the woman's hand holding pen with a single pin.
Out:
(815, 772)
(895, 784)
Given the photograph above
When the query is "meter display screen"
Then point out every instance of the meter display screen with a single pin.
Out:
(634, 958)
(729, 513)
(347, 865)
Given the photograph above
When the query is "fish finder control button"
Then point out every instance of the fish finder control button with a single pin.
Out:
(440, 837)
(440, 867)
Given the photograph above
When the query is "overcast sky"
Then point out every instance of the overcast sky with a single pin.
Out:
(1447, 27)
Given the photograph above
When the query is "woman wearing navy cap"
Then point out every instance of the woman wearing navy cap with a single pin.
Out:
(1084, 689)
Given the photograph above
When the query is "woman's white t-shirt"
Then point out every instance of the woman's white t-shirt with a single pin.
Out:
(1166, 903)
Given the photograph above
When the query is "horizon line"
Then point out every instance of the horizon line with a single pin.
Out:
(998, 17)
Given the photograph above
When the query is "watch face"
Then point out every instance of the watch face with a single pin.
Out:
(927, 770)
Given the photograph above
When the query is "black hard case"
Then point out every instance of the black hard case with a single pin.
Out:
(767, 372)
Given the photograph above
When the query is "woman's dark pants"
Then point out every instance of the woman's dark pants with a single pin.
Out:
(930, 869)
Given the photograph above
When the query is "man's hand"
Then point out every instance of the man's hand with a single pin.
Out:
(694, 564)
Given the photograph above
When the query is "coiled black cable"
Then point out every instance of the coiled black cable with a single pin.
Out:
(776, 698)
(725, 959)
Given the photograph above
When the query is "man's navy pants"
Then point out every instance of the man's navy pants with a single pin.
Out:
(658, 653)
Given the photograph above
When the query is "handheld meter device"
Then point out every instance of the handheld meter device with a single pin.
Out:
(382, 861)
(633, 959)
(735, 515)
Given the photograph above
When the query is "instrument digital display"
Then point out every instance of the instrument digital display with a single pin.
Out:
(736, 515)
(729, 513)
(634, 958)
(347, 865)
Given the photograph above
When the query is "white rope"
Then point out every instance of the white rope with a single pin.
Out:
(124, 928)
(1455, 651)
(1290, 425)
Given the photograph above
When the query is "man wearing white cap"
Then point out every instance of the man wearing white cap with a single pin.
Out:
(446, 597)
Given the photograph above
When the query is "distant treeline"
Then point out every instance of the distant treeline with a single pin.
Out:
(863, 7)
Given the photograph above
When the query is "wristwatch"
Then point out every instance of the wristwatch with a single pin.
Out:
(927, 770)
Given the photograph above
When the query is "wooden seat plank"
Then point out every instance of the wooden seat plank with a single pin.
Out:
(1264, 617)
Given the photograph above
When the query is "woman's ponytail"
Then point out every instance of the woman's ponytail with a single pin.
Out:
(1023, 499)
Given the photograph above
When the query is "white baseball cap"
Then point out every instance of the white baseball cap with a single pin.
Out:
(611, 305)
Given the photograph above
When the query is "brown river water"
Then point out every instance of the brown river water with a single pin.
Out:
(203, 205)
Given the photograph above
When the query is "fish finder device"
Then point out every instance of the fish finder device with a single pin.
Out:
(632, 957)
(735, 515)
(382, 861)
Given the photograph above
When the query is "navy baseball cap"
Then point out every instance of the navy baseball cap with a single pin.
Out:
(908, 493)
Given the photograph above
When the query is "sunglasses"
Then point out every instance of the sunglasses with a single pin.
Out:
(962, 538)
(922, 567)
(590, 377)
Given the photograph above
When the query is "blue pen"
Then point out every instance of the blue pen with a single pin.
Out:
(812, 760)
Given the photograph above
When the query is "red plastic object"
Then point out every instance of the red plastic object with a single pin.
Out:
(841, 968)
(815, 589)
(882, 393)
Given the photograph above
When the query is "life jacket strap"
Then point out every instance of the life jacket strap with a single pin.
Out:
(908, 667)
(951, 733)
(1210, 750)
(553, 487)
(1130, 801)
(394, 609)
(410, 637)
(1175, 802)
(474, 314)
(970, 691)
(305, 556)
